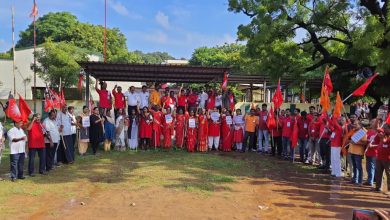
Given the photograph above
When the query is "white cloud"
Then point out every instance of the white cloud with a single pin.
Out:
(119, 8)
(162, 19)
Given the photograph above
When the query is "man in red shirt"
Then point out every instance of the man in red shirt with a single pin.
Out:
(383, 160)
(372, 152)
(192, 100)
(303, 136)
(312, 111)
(36, 143)
(104, 97)
(263, 130)
(119, 100)
(287, 124)
(181, 100)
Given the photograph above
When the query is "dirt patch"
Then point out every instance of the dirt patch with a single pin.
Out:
(280, 192)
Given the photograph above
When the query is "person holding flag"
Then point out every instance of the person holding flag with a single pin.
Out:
(336, 127)
(36, 144)
(383, 160)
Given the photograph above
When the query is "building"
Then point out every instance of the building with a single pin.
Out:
(24, 75)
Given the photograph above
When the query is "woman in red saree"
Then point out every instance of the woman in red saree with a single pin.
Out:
(180, 127)
(202, 131)
(167, 131)
(227, 133)
(191, 131)
(157, 126)
(145, 129)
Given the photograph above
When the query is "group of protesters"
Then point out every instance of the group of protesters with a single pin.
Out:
(202, 121)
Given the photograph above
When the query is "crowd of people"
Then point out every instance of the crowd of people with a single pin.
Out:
(203, 121)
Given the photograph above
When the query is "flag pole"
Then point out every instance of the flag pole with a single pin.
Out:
(105, 31)
(347, 97)
(13, 49)
(35, 62)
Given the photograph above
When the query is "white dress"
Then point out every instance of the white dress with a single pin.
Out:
(120, 131)
(133, 134)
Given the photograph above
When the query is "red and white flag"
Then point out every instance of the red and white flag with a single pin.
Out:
(225, 81)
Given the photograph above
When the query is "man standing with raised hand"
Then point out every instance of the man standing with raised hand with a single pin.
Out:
(36, 143)
(119, 100)
(104, 97)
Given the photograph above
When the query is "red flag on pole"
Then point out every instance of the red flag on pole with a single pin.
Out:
(278, 97)
(80, 83)
(225, 81)
(294, 135)
(362, 89)
(25, 110)
(12, 110)
(48, 106)
(62, 99)
(34, 10)
(388, 119)
(271, 122)
(56, 99)
(327, 81)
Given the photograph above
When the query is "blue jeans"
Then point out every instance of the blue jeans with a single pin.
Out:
(303, 152)
(265, 134)
(31, 158)
(17, 165)
(286, 146)
(370, 168)
(357, 168)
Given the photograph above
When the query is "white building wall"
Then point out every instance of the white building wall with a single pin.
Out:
(23, 61)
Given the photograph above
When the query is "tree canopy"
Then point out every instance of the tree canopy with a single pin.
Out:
(58, 60)
(350, 36)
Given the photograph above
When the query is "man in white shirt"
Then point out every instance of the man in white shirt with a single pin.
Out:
(51, 126)
(218, 101)
(17, 143)
(132, 99)
(66, 147)
(144, 98)
(203, 97)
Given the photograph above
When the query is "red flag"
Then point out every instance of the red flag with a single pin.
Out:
(48, 105)
(25, 110)
(55, 98)
(327, 81)
(12, 110)
(34, 10)
(388, 119)
(80, 83)
(271, 123)
(294, 135)
(62, 98)
(278, 97)
(225, 81)
(362, 89)
(164, 86)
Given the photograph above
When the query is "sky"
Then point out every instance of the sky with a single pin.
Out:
(174, 26)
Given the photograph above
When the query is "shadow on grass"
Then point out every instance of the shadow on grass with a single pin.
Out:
(210, 172)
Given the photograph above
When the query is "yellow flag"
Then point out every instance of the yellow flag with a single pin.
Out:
(338, 106)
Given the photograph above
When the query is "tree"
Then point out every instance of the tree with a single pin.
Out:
(64, 27)
(350, 36)
(58, 60)
(227, 55)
